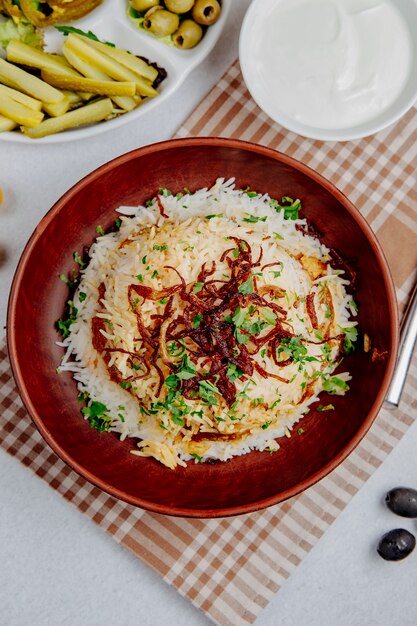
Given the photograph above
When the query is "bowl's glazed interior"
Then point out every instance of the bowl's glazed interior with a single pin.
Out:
(245, 483)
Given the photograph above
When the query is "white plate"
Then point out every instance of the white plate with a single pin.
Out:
(251, 62)
(111, 23)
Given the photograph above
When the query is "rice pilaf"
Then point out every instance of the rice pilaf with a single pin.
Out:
(208, 324)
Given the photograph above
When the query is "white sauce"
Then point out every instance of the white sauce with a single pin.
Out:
(333, 63)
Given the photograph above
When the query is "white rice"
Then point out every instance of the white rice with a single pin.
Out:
(137, 253)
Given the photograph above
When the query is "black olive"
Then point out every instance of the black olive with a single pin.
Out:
(396, 544)
(402, 501)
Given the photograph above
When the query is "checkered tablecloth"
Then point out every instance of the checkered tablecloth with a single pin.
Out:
(231, 568)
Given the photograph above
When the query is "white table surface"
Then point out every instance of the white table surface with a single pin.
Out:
(56, 567)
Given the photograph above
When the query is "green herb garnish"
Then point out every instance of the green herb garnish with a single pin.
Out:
(197, 320)
(247, 287)
(198, 287)
(253, 219)
(97, 416)
(289, 206)
(63, 325)
(66, 30)
(79, 260)
(125, 384)
(351, 336)
(207, 391)
(233, 372)
(334, 385)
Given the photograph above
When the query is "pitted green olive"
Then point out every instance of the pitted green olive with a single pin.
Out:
(160, 22)
(144, 5)
(179, 6)
(188, 35)
(206, 12)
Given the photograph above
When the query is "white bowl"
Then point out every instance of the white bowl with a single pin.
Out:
(111, 23)
(255, 33)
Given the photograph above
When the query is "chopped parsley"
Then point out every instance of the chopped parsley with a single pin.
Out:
(294, 348)
(79, 260)
(207, 392)
(63, 325)
(274, 404)
(185, 370)
(247, 287)
(160, 248)
(69, 283)
(174, 403)
(253, 219)
(327, 407)
(351, 336)
(97, 416)
(99, 230)
(210, 217)
(175, 349)
(335, 385)
(289, 206)
(233, 372)
(125, 384)
(269, 316)
(257, 401)
(328, 313)
(197, 320)
(241, 337)
(198, 287)
(239, 316)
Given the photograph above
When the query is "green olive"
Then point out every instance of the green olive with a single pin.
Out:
(160, 22)
(179, 6)
(188, 35)
(143, 5)
(206, 12)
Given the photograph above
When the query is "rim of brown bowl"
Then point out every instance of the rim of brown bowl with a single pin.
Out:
(312, 478)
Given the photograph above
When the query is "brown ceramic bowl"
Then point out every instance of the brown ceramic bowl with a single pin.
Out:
(245, 483)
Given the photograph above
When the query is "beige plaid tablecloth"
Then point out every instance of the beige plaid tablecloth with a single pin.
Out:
(231, 568)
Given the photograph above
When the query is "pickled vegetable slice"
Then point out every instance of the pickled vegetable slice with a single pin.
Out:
(87, 114)
(91, 85)
(28, 83)
(18, 112)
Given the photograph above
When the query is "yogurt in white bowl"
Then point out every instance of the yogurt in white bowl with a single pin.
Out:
(331, 69)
